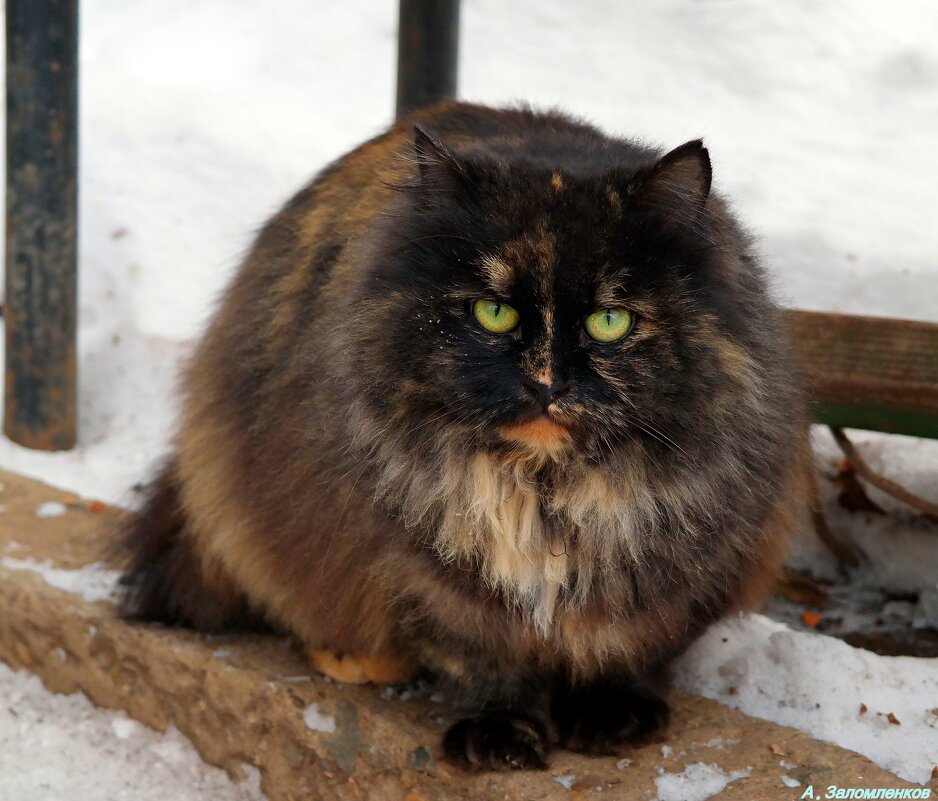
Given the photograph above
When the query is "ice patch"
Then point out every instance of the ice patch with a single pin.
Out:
(317, 721)
(696, 782)
(566, 781)
(92, 582)
(788, 781)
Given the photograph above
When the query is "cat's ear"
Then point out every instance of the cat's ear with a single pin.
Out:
(440, 172)
(432, 155)
(679, 180)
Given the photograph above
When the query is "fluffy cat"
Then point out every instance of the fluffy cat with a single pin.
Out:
(495, 396)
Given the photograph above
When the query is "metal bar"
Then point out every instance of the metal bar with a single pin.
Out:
(41, 212)
(427, 51)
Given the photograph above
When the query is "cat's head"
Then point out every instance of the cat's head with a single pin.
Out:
(560, 305)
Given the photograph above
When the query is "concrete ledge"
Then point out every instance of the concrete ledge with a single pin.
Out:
(252, 700)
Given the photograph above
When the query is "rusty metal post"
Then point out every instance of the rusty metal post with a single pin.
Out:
(41, 212)
(427, 50)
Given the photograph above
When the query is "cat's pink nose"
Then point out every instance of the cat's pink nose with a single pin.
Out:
(545, 394)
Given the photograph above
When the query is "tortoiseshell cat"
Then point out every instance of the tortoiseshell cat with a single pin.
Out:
(496, 396)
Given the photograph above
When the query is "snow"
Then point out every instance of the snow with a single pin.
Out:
(62, 746)
(317, 721)
(817, 683)
(50, 509)
(93, 582)
(199, 117)
(566, 780)
(696, 782)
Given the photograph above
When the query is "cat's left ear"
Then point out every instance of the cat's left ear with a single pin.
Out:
(680, 178)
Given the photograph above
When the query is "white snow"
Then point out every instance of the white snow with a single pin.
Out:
(93, 582)
(50, 509)
(199, 117)
(817, 683)
(566, 780)
(317, 720)
(696, 782)
(62, 746)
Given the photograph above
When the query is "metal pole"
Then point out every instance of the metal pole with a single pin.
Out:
(41, 212)
(427, 50)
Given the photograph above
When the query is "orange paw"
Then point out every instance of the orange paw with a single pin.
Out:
(351, 669)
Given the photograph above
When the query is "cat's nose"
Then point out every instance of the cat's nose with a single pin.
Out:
(545, 394)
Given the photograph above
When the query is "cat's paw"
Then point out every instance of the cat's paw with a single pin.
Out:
(362, 669)
(496, 742)
(604, 719)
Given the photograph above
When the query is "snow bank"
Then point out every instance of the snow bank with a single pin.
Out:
(62, 746)
(818, 684)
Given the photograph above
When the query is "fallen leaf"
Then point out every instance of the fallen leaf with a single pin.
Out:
(893, 719)
(96, 506)
(864, 709)
(777, 749)
(810, 619)
(934, 772)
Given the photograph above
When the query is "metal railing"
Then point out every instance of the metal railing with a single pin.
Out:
(41, 222)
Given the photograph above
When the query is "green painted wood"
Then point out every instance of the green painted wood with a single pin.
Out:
(875, 373)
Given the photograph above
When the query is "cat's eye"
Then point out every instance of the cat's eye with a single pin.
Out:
(608, 325)
(499, 318)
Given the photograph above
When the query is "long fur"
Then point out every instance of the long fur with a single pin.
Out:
(358, 462)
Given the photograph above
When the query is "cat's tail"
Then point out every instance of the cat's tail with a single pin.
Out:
(166, 579)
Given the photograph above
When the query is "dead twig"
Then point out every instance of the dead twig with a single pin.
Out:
(840, 549)
(897, 491)
(801, 589)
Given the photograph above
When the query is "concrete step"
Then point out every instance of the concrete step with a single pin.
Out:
(252, 700)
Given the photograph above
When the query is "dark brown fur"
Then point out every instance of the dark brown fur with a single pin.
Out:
(317, 469)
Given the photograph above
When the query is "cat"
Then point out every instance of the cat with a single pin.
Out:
(497, 397)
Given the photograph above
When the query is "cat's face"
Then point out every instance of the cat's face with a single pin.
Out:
(524, 307)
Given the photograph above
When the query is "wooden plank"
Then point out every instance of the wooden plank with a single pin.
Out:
(875, 373)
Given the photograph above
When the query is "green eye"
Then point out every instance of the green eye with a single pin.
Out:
(499, 318)
(608, 325)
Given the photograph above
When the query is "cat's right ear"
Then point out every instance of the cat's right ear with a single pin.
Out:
(440, 173)
(434, 159)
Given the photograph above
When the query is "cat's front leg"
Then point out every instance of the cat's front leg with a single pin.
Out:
(608, 714)
(508, 730)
